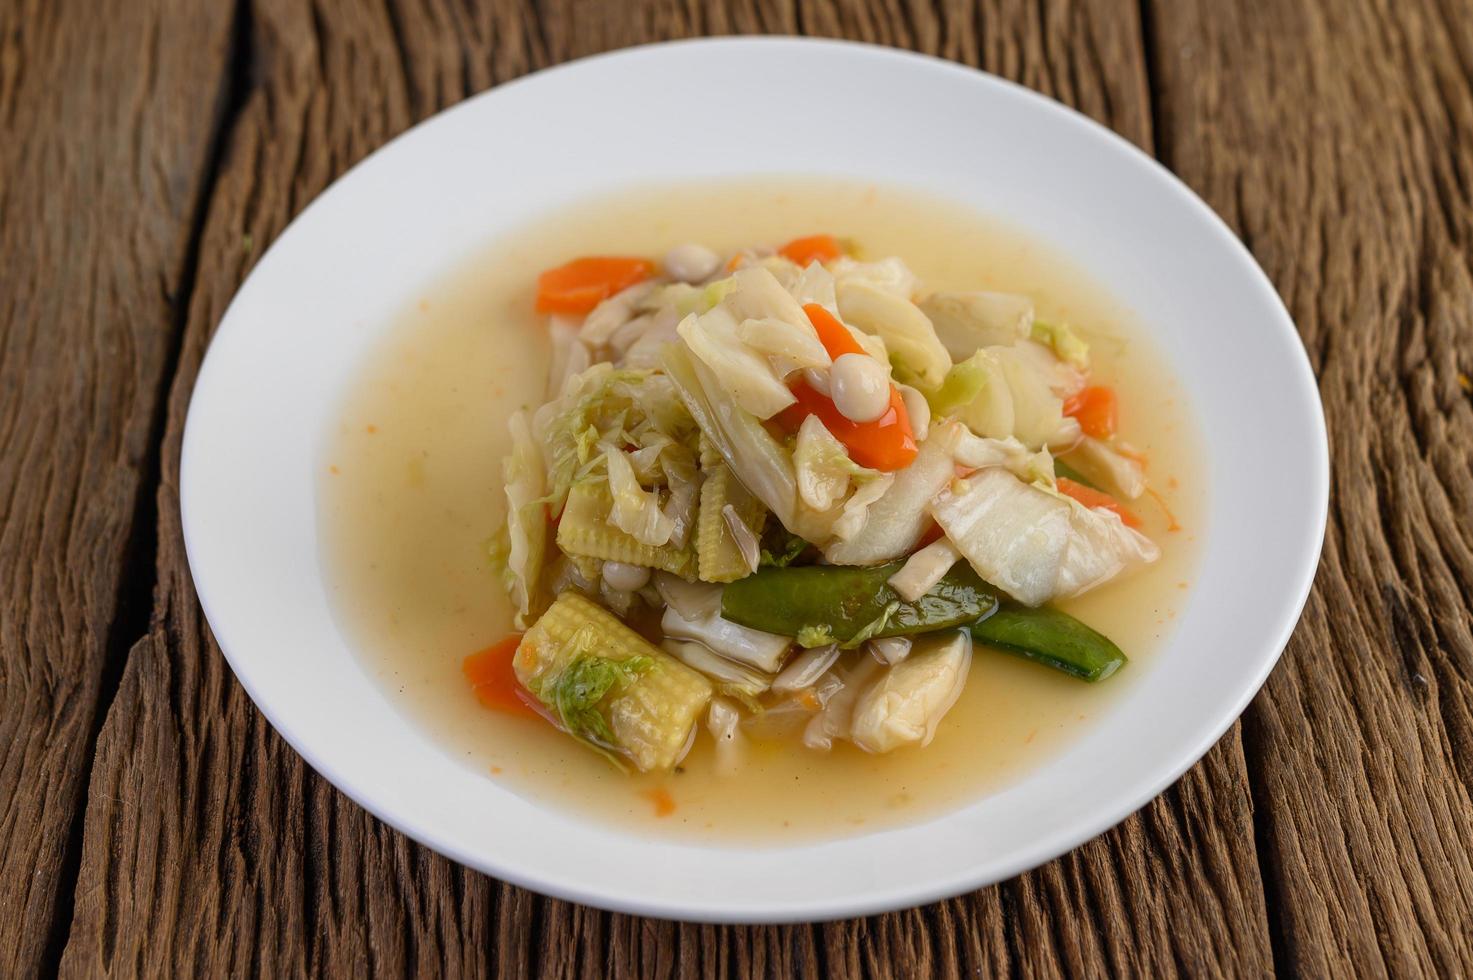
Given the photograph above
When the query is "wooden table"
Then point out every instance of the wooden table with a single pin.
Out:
(152, 822)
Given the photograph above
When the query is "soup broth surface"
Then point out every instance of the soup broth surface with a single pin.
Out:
(411, 492)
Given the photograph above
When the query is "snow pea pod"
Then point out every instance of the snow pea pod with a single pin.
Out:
(1050, 637)
(842, 604)
(821, 604)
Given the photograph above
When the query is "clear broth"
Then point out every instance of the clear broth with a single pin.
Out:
(410, 493)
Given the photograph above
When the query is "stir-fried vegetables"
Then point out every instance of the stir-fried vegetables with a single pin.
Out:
(797, 487)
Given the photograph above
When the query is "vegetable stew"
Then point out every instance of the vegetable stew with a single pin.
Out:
(766, 511)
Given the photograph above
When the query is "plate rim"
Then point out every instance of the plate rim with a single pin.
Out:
(889, 897)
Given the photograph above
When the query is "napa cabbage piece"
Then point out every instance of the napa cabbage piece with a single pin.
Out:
(743, 373)
(999, 392)
(855, 515)
(823, 466)
(905, 704)
(570, 355)
(1038, 413)
(635, 511)
(908, 335)
(895, 522)
(833, 720)
(1067, 345)
(677, 467)
(611, 314)
(1033, 544)
(890, 274)
(1064, 379)
(976, 392)
(788, 347)
(975, 452)
(815, 284)
(1119, 474)
(761, 463)
(526, 520)
(1100, 548)
(758, 295)
(684, 298)
(923, 569)
(965, 322)
(780, 267)
(608, 687)
(604, 406)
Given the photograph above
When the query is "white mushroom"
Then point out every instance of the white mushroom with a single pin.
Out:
(690, 262)
(860, 386)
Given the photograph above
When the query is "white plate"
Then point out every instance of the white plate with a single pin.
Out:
(417, 207)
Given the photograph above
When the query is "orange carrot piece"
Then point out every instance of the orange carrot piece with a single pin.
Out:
(583, 283)
(885, 444)
(1097, 410)
(1097, 500)
(822, 248)
(493, 680)
(834, 336)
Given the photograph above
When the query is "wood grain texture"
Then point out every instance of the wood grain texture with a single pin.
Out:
(1338, 139)
(239, 828)
(101, 172)
(1329, 836)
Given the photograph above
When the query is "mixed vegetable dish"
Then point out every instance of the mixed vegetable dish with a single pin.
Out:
(788, 491)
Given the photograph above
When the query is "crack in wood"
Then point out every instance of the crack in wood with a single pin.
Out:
(134, 611)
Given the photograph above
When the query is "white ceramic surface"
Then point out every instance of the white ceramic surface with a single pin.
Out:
(416, 208)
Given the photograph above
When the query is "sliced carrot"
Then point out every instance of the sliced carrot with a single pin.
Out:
(1097, 410)
(1097, 500)
(583, 283)
(821, 248)
(885, 444)
(834, 336)
(493, 680)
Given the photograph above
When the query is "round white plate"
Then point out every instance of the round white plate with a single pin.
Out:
(416, 208)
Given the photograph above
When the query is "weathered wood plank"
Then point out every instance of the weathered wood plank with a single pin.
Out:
(107, 135)
(244, 858)
(1338, 139)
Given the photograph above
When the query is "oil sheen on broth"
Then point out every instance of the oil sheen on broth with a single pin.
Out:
(410, 493)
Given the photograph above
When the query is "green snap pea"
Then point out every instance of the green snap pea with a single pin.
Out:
(1050, 637)
(821, 604)
(847, 605)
